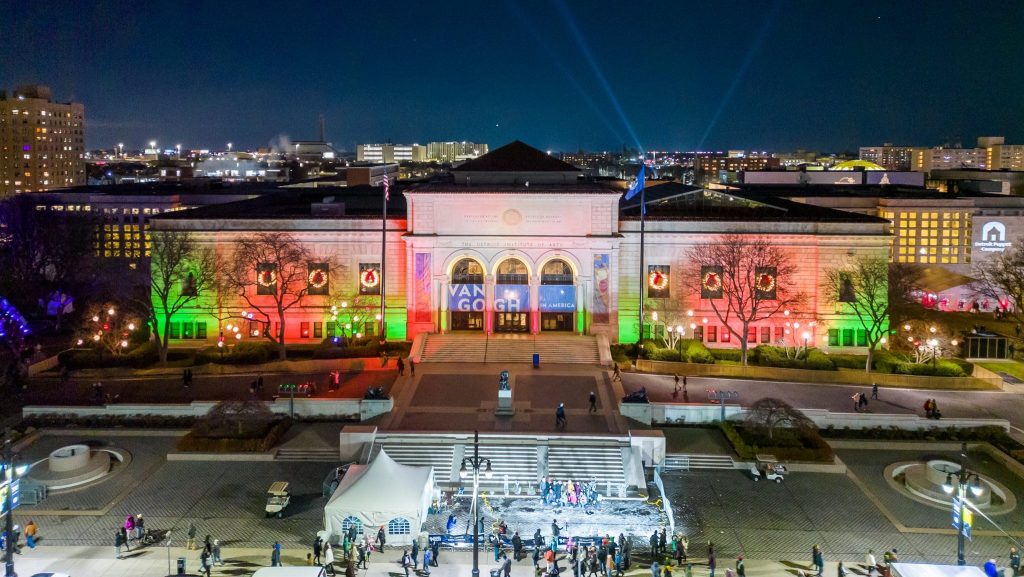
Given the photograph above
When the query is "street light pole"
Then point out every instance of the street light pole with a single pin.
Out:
(964, 480)
(10, 475)
(471, 466)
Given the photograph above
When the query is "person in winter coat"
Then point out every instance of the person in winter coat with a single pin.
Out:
(275, 555)
(118, 542)
(215, 553)
(427, 554)
(317, 548)
(381, 538)
(415, 555)
(406, 562)
(328, 559)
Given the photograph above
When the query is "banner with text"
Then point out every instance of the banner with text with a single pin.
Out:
(466, 297)
(557, 298)
(512, 298)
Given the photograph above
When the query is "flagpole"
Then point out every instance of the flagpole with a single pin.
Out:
(383, 254)
(643, 275)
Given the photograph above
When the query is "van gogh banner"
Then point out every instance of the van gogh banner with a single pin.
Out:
(601, 306)
(557, 298)
(466, 297)
(512, 298)
(422, 282)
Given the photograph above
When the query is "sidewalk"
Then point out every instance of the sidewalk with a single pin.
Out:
(153, 562)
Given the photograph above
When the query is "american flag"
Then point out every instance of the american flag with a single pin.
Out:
(386, 183)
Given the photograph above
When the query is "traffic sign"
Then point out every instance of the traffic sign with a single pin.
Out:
(15, 495)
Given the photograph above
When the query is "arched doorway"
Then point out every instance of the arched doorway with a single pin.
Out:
(466, 296)
(557, 295)
(512, 297)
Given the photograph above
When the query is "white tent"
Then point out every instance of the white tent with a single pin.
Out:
(383, 492)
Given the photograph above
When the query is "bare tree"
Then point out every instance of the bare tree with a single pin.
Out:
(179, 272)
(270, 272)
(1000, 278)
(235, 418)
(904, 279)
(768, 414)
(862, 287)
(754, 282)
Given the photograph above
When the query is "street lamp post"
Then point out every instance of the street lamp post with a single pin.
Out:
(964, 480)
(934, 344)
(807, 337)
(10, 474)
(471, 467)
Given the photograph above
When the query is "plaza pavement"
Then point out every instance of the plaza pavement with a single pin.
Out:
(1007, 405)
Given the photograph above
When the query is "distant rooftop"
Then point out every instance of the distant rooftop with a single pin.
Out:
(515, 156)
(359, 202)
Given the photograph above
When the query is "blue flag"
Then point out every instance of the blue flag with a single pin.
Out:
(638, 185)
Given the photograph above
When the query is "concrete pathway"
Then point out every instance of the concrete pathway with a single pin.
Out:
(978, 404)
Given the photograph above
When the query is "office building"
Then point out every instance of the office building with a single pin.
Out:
(42, 142)
(941, 158)
(455, 151)
(390, 153)
(1001, 156)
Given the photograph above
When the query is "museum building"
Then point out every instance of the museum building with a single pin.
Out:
(517, 241)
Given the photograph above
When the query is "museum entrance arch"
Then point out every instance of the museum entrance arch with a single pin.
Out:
(466, 296)
(557, 296)
(512, 297)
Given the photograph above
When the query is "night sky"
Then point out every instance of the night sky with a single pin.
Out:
(558, 74)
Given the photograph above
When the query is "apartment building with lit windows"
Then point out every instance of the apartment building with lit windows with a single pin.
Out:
(42, 142)
(455, 151)
(940, 158)
(888, 156)
(1001, 156)
(389, 153)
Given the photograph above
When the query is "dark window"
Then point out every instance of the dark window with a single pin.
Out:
(846, 294)
(766, 334)
(201, 330)
(318, 330)
(698, 334)
(752, 335)
(780, 333)
(332, 328)
(833, 337)
(175, 330)
(847, 337)
(726, 335)
(862, 338)
(712, 334)
(304, 330)
(187, 330)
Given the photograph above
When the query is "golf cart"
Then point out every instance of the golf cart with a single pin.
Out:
(277, 498)
(768, 467)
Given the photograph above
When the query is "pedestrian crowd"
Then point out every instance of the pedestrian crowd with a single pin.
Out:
(569, 493)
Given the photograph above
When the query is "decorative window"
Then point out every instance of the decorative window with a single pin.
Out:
(847, 337)
(833, 337)
(658, 281)
(846, 294)
(513, 271)
(369, 278)
(399, 526)
(318, 278)
(266, 279)
(711, 282)
(467, 271)
(556, 272)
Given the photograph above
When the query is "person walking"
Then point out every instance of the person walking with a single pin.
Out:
(741, 568)
(654, 544)
(381, 538)
(856, 402)
(654, 568)
(124, 538)
(406, 562)
(140, 527)
(318, 547)
(435, 553)
(863, 401)
(560, 421)
(517, 546)
(118, 542)
(427, 555)
(191, 535)
(412, 367)
(275, 555)
(361, 553)
(675, 389)
(870, 563)
(215, 553)
(874, 391)
(593, 402)
(1014, 554)
(555, 532)
(401, 366)
(616, 375)
(184, 378)
(204, 562)
(415, 555)
(506, 565)
(662, 542)
(712, 561)
(328, 559)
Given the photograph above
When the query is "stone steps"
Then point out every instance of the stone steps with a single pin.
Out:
(683, 462)
(480, 348)
(308, 455)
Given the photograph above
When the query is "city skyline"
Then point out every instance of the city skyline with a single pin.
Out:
(559, 75)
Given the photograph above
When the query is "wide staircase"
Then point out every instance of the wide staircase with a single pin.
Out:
(499, 348)
(307, 455)
(516, 460)
(602, 464)
(421, 454)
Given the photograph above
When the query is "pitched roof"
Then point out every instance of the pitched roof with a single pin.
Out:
(515, 156)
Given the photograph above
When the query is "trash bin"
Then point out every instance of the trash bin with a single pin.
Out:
(536, 360)
(181, 565)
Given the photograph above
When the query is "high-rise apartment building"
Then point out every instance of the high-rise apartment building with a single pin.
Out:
(711, 168)
(939, 158)
(888, 156)
(454, 151)
(390, 153)
(42, 142)
(1001, 156)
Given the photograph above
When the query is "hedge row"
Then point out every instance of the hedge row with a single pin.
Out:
(143, 355)
(687, 351)
(747, 444)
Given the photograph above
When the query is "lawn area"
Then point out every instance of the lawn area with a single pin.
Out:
(1012, 368)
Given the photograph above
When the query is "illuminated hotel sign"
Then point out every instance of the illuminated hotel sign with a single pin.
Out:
(993, 238)
(466, 297)
(557, 298)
